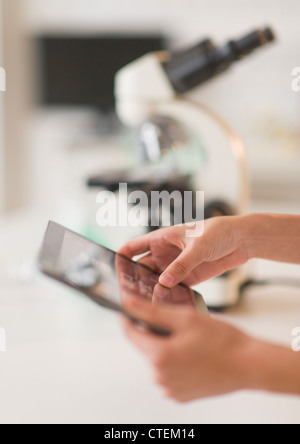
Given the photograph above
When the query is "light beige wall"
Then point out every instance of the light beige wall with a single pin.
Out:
(2, 126)
(17, 100)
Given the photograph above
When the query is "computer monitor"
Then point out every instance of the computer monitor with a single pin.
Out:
(80, 70)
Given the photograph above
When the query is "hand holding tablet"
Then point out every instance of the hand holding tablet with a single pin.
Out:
(106, 277)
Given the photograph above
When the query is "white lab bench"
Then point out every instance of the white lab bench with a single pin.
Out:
(67, 360)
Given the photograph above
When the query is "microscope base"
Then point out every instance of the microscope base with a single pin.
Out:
(222, 292)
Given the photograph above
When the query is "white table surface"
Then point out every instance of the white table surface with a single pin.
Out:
(67, 360)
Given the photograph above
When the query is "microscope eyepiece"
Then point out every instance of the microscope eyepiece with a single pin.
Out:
(251, 42)
(192, 67)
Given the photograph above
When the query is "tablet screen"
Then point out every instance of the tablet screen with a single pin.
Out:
(105, 276)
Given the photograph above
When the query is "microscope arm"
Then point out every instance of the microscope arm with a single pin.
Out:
(227, 177)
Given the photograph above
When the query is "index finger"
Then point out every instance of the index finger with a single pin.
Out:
(136, 247)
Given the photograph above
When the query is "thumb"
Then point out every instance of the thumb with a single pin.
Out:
(180, 269)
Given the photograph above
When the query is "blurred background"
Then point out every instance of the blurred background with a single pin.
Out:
(58, 127)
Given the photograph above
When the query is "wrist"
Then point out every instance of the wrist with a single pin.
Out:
(252, 235)
(271, 368)
(246, 229)
(255, 369)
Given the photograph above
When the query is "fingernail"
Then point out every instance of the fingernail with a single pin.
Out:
(163, 293)
(167, 280)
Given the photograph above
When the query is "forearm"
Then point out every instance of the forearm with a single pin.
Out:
(272, 368)
(272, 237)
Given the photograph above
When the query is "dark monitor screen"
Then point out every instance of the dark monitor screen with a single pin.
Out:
(80, 71)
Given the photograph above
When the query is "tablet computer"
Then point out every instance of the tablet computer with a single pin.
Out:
(106, 277)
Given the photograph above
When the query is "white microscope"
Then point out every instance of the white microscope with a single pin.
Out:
(174, 129)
